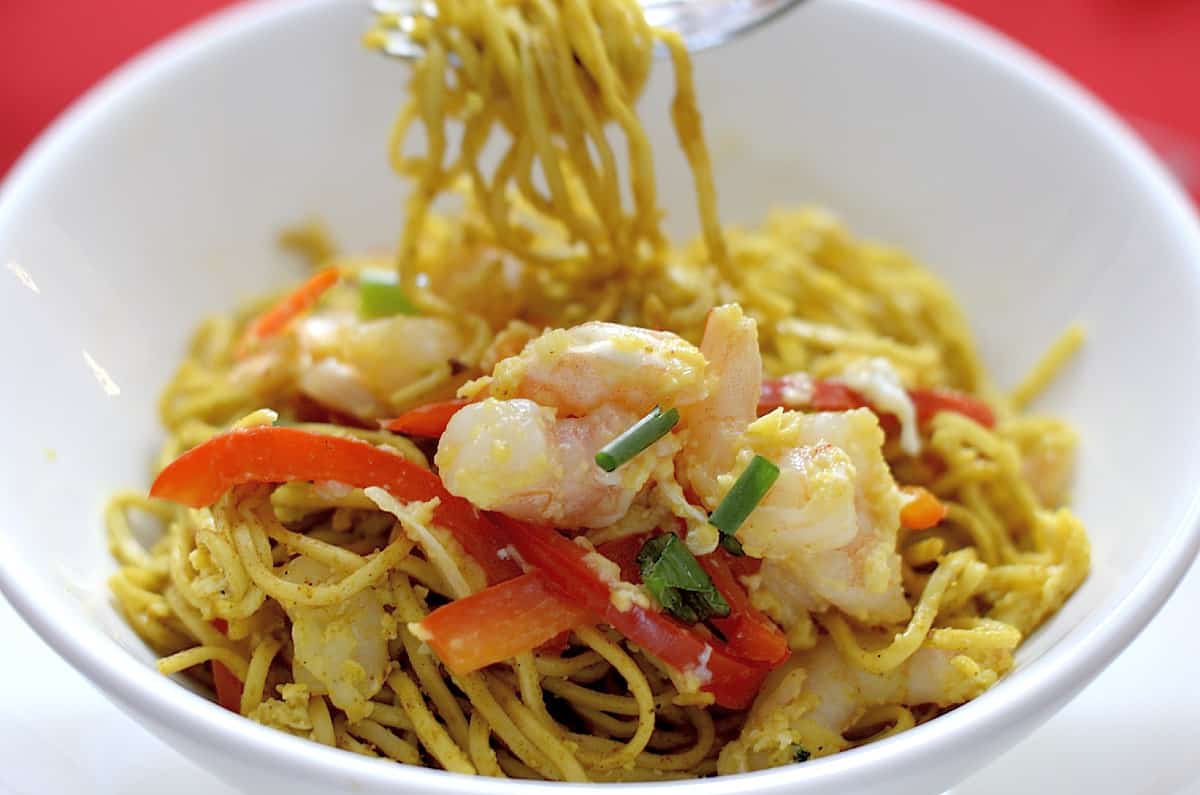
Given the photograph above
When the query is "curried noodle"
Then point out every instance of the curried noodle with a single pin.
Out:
(315, 565)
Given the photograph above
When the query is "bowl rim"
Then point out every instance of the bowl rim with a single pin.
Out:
(1050, 680)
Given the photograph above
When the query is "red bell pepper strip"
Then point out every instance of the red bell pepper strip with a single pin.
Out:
(922, 511)
(733, 682)
(292, 305)
(227, 686)
(499, 622)
(929, 402)
(835, 396)
(821, 395)
(429, 420)
(556, 646)
(271, 454)
(624, 552)
(749, 633)
(743, 565)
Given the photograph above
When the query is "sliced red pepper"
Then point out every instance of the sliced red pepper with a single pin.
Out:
(743, 565)
(499, 622)
(772, 394)
(733, 681)
(429, 420)
(821, 395)
(556, 646)
(835, 396)
(750, 634)
(271, 454)
(929, 402)
(227, 686)
(292, 305)
(624, 552)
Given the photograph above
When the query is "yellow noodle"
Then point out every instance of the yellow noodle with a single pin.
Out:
(639, 688)
(568, 666)
(137, 599)
(502, 725)
(122, 545)
(544, 737)
(483, 756)
(515, 768)
(425, 666)
(203, 631)
(897, 718)
(906, 643)
(530, 686)
(199, 655)
(315, 595)
(433, 736)
(391, 716)
(387, 742)
(1057, 355)
(318, 715)
(256, 674)
(347, 742)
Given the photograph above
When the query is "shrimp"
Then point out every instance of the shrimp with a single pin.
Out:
(827, 529)
(715, 424)
(352, 365)
(342, 649)
(529, 449)
(834, 523)
(813, 699)
(580, 369)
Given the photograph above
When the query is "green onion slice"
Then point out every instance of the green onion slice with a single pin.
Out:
(678, 583)
(380, 294)
(645, 432)
(800, 753)
(731, 545)
(747, 492)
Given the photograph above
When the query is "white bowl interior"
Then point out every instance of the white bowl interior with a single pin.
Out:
(160, 201)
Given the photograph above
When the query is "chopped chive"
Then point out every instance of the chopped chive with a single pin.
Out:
(800, 753)
(731, 545)
(677, 581)
(380, 294)
(747, 492)
(642, 434)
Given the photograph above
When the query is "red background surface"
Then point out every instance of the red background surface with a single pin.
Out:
(1140, 56)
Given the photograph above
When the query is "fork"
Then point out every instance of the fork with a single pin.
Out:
(701, 23)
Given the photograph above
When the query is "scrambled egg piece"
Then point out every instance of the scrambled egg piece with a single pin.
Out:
(288, 713)
(877, 381)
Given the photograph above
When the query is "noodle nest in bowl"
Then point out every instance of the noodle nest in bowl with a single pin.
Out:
(311, 604)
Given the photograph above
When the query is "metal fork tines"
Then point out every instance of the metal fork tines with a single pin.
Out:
(701, 23)
(396, 22)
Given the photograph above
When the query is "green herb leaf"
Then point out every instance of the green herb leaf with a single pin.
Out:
(642, 434)
(678, 583)
(380, 294)
(751, 486)
(800, 753)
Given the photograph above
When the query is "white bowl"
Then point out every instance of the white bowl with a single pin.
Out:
(157, 198)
